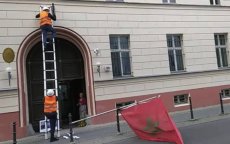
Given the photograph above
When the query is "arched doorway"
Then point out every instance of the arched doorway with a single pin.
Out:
(32, 46)
(71, 81)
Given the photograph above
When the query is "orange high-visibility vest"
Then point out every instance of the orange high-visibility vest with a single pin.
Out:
(50, 104)
(44, 18)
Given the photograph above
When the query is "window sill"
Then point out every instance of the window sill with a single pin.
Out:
(122, 77)
(223, 68)
(181, 105)
(9, 89)
(176, 72)
(162, 75)
(169, 3)
(226, 98)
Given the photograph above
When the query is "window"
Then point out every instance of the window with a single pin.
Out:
(174, 43)
(169, 1)
(221, 50)
(118, 105)
(226, 93)
(181, 99)
(116, 0)
(215, 2)
(120, 55)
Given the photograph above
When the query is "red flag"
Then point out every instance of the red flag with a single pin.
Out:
(151, 121)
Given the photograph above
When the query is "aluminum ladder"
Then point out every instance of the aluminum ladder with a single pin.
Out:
(50, 73)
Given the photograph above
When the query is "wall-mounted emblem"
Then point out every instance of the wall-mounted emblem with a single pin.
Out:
(8, 55)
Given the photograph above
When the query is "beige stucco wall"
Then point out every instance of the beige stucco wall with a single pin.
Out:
(147, 25)
(183, 2)
(191, 2)
(161, 84)
(8, 101)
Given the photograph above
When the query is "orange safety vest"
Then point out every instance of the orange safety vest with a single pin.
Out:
(50, 104)
(44, 18)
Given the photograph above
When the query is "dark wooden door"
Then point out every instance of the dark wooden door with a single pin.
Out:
(69, 67)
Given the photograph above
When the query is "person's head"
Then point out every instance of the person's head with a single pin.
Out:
(50, 92)
(45, 8)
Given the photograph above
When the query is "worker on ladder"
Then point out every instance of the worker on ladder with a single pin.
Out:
(50, 111)
(46, 24)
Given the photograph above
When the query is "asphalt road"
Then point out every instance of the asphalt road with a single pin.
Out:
(216, 132)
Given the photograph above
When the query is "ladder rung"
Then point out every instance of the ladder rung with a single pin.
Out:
(49, 60)
(50, 79)
(49, 51)
(50, 70)
(51, 88)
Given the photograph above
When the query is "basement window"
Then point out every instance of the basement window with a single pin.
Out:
(181, 100)
(118, 105)
(226, 93)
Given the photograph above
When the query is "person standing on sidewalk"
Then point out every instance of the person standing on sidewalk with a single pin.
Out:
(46, 24)
(50, 111)
(82, 109)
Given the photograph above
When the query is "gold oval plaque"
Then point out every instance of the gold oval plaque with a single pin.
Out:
(8, 55)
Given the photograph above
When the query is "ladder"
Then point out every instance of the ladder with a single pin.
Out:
(50, 74)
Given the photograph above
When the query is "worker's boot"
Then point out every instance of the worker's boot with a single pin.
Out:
(53, 139)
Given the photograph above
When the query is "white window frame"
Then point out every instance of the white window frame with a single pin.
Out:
(214, 2)
(219, 47)
(124, 104)
(169, 1)
(224, 94)
(180, 103)
(120, 50)
(115, 0)
(174, 48)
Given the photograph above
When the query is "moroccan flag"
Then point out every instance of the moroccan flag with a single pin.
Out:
(151, 121)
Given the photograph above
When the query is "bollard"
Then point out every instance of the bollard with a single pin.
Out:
(191, 110)
(221, 103)
(14, 133)
(70, 128)
(118, 121)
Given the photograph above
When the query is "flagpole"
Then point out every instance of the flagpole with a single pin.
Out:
(123, 107)
(145, 100)
(140, 102)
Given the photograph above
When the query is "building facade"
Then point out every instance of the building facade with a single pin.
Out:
(116, 53)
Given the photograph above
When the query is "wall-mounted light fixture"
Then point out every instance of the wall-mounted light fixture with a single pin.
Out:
(96, 51)
(99, 68)
(8, 70)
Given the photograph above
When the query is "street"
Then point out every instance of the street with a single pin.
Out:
(197, 132)
(216, 132)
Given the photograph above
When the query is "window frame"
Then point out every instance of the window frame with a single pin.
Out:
(124, 103)
(120, 51)
(220, 47)
(223, 91)
(168, 1)
(179, 103)
(214, 2)
(115, 0)
(174, 48)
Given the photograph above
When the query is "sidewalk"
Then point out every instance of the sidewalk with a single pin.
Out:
(106, 133)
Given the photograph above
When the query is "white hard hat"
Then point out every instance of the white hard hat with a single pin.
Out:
(50, 92)
(45, 8)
